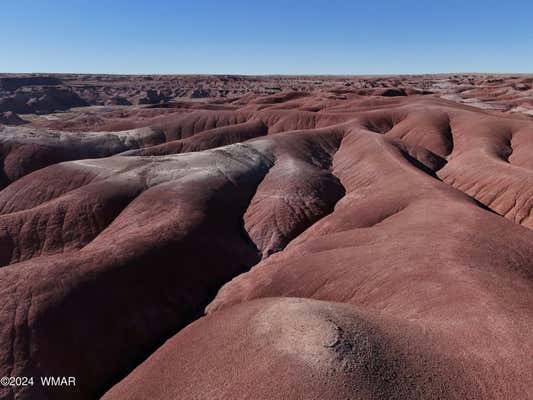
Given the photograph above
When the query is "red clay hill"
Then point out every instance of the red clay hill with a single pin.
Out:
(229, 237)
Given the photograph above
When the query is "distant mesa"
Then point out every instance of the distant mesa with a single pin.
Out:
(13, 83)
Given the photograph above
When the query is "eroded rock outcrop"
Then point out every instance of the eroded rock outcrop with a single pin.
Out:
(343, 244)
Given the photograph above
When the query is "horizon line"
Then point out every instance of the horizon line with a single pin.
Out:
(268, 74)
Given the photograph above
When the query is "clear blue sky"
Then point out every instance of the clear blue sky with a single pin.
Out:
(266, 37)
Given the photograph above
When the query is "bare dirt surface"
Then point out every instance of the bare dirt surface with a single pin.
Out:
(229, 237)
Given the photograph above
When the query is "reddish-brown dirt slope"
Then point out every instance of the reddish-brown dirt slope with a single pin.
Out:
(357, 241)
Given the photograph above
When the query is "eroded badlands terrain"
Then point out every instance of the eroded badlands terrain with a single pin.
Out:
(225, 237)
